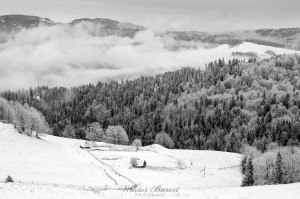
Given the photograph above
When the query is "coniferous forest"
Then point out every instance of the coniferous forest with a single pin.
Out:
(224, 106)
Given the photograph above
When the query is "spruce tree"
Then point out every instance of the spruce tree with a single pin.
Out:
(244, 161)
(248, 178)
(278, 169)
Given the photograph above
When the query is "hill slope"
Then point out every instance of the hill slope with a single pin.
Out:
(57, 160)
(52, 167)
(50, 160)
(9, 23)
(254, 102)
(283, 38)
(100, 27)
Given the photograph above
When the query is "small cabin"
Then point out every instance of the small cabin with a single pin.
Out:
(86, 145)
(137, 163)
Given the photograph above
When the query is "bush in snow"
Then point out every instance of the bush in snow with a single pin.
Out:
(116, 135)
(164, 140)
(180, 164)
(94, 132)
(137, 143)
(69, 132)
(9, 179)
(133, 162)
(250, 150)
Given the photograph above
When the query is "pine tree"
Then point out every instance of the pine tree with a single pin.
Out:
(278, 169)
(244, 161)
(286, 101)
(248, 178)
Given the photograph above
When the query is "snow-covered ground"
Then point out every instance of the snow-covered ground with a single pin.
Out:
(46, 160)
(16, 191)
(225, 51)
(259, 49)
(53, 167)
(221, 169)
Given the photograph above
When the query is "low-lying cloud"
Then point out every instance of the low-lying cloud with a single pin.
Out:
(69, 56)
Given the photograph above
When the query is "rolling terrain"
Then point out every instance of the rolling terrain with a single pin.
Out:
(61, 161)
(52, 167)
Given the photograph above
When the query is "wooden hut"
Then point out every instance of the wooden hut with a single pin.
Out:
(138, 163)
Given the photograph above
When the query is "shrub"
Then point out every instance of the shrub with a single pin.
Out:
(94, 132)
(250, 150)
(133, 162)
(272, 146)
(9, 179)
(69, 132)
(137, 143)
(116, 135)
(164, 140)
(180, 164)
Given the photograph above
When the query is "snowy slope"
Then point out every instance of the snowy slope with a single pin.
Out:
(53, 167)
(47, 160)
(260, 49)
(225, 51)
(55, 160)
(221, 169)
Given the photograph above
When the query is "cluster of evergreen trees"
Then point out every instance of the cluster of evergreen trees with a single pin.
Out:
(219, 108)
(276, 175)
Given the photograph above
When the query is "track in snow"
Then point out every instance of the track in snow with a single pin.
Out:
(116, 177)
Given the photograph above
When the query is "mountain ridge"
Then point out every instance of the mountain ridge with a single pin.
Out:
(101, 26)
(283, 37)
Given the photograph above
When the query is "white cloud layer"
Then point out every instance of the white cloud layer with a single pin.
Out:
(65, 56)
(70, 56)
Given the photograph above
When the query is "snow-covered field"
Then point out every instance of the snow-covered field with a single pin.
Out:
(259, 49)
(225, 51)
(221, 169)
(47, 160)
(53, 167)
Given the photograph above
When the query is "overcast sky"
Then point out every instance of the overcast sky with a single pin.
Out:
(203, 15)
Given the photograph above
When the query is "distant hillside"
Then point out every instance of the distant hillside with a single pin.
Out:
(9, 23)
(219, 108)
(101, 27)
(284, 38)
